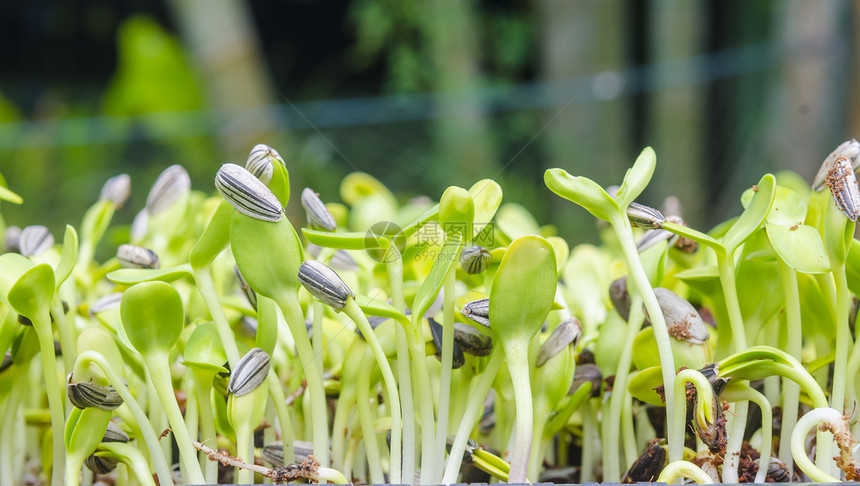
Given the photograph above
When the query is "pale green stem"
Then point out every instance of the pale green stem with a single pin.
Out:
(345, 402)
(843, 338)
(67, 336)
(470, 416)
(206, 287)
(684, 469)
(628, 433)
(541, 416)
(425, 398)
(192, 417)
(284, 420)
(159, 374)
(661, 334)
(368, 431)
(207, 428)
(330, 475)
(794, 337)
(157, 417)
(244, 449)
(355, 313)
(518, 367)
(7, 443)
(589, 437)
(445, 375)
(42, 326)
(754, 396)
(611, 471)
(293, 315)
(161, 468)
(394, 268)
(705, 395)
(812, 419)
(318, 311)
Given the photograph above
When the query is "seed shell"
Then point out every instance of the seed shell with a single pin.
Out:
(246, 289)
(108, 302)
(86, 394)
(261, 162)
(566, 333)
(116, 189)
(849, 149)
(475, 259)
(471, 340)
(114, 434)
(99, 464)
(318, 215)
(436, 331)
(133, 256)
(324, 284)
(35, 240)
(169, 187)
(250, 372)
(843, 186)
(478, 311)
(247, 194)
(646, 217)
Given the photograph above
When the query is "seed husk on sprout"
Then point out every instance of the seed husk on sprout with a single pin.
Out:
(108, 302)
(12, 239)
(471, 340)
(324, 284)
(642, 216)
(173, 183)
(843, 186)
(777, 471)
(849, 149)
(114, 433)
(250, 372)
(273, 452)
(133, 256)
(648, 465)
(247, 194)
(35, 240)
(436, 332)
(620, 297)
(117, 189)
(261, 162)
(478, 311)
(475, 259)
(86, 394)
(318, 215)
(682, 319)
(587, 372)
(566, 333)
(100, 464)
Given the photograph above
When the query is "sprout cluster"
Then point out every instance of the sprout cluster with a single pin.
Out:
(433, 342)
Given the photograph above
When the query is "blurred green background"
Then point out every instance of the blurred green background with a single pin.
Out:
(423, 94)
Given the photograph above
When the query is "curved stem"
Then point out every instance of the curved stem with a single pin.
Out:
(355, 313)
(812, 419)
(750, 394)
(161, 468)
(705, 396)
(470, 416)
(291, 309)
(132, 458)
(611, 469)
(621, 225)
(684, 469)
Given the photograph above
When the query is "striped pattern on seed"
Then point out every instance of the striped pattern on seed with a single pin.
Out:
(133, 256)
(478, 311)
(250, 372)
(35, 240)
(324, 284)
(171, 184)
(843, 186)
(247, 193)
(116, 189)
(318, 215)
(86, 395)
(643, 216)
(260, 162)
(475, 259)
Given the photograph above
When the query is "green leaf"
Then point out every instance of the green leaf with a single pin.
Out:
(561, 250)
(457, 212)
(582, 191)
(33, 291)
(358, 185)
(215, 237)
(838, 234)
(204, 349)
(68, 257)
(131, 276)
(637, 178)
(268, 254)
(152, 317)
(487, 196)
(788, 208)
(7, 195)
(280, 183)
(753, 216)
(694, 235)
(373, 307)
(852, 267)
(516, 315)
(445, 261)
(642, 386)
(347, 241)
(516, 221)
(800, 247)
